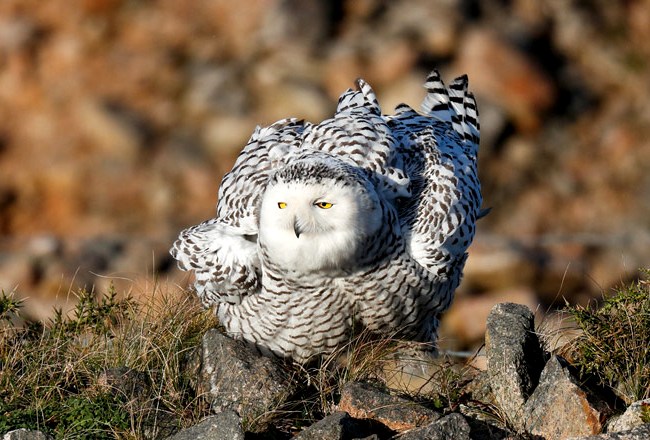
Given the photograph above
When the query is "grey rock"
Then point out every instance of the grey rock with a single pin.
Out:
(479, 388)
(514, 358)
(336, 426)
(632, 417)
(560, 408)
(225, 425)
(452, 426)
(24, 434)
(17, 33)
(236, 377)
(639, 433)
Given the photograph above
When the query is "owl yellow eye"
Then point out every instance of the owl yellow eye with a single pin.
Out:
(282, 205)
(323, 205)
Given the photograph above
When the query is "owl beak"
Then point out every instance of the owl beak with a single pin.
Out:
(296, 228)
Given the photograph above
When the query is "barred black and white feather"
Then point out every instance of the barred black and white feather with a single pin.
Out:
(361, 219)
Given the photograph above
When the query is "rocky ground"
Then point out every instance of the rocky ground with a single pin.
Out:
(118, 118)
(526, 392)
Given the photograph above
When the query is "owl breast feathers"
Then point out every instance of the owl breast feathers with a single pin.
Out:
(361, 219)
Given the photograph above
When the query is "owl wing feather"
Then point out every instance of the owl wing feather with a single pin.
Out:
(268, 149)
(222, 258)
(439, 149)
(222, 251)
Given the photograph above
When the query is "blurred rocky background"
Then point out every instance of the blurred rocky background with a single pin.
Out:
(119, 117)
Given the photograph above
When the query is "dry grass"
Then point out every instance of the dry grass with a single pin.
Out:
(57, 377)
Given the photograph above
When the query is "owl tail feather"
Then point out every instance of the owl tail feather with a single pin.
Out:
(454, 104)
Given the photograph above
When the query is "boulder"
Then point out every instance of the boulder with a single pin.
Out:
(560, 408)
(340, 426)
(454, 426)
(635, 415)
(234, 376)
(24, 434)
(639, 433)
(514, 358)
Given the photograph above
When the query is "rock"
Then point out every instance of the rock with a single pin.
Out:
(452, 426)
(363, 401)
(215, 90)
(225, 425)
(514, 358)
(236, 377)
(635, 415)
(639, 433)
(16, 33)
(293, 24)
(560, 408)
(24, 434)
(433, 26)
(340, 426)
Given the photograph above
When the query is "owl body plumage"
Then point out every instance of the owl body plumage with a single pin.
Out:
(363, 218)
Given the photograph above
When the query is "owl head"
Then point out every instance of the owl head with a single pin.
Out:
(315, 214)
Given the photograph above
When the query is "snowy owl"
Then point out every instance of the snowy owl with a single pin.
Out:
(361, 219)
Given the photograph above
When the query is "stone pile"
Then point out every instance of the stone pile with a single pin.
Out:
(532, 393)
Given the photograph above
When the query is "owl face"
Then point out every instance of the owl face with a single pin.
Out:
(316, 222)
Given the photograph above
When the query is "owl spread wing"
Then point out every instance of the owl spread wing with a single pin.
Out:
(222, 251)
(439, 151)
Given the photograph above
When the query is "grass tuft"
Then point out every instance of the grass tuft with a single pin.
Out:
(613, 344)
(9, 307)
